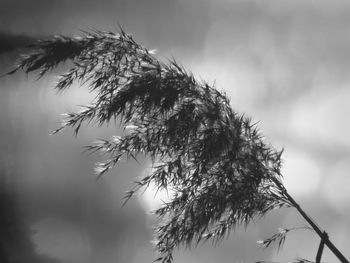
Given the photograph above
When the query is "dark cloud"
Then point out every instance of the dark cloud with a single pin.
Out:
(174, 28)
(57, 185)
(9, 41)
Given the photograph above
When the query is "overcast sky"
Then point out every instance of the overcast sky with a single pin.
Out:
(285, 63)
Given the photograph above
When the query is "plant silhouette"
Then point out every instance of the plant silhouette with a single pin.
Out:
(222, 172)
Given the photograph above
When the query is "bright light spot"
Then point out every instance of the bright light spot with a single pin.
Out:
(151, 199)
(336, 186)
(301, 174)
(232, 66)
(62, 240)
(321, 117)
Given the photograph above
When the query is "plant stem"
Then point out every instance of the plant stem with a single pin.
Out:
(320, 248)
(328, 243)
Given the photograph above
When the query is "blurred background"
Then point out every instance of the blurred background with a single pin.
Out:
(284, 63)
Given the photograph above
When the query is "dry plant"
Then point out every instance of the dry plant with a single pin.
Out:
(221, 170)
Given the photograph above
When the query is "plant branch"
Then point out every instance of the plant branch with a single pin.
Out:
(317, 229)
(217, 162)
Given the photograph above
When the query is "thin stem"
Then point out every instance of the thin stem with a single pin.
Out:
(317, 229)
(321, 247)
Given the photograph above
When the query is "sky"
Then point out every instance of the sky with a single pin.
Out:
(284, 63)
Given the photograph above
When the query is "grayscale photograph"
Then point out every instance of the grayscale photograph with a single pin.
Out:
(174, 131)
